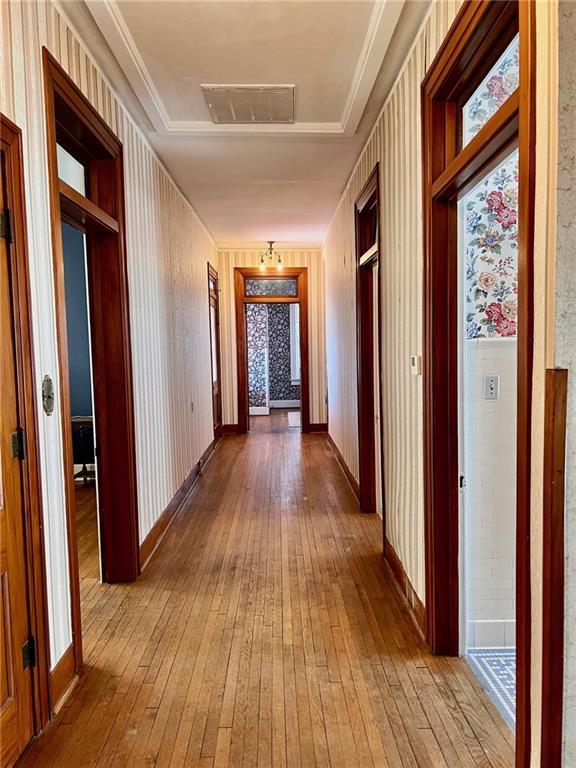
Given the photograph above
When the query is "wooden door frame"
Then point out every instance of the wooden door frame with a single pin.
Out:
(72, 121)
(11, 144)
(470, 48)
(241, 299)
(368, 197)
(217, 418)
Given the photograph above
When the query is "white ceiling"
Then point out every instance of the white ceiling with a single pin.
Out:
(251, 183)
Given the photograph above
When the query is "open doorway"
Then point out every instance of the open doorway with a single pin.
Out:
(82, 419)
(367, 213)
(488, 269)
(478, 167)
(272, 349)
(87, 215)
(273, 338)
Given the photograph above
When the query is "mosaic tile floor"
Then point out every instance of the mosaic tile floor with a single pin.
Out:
(496, 670)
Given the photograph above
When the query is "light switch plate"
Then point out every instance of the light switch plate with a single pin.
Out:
(491, 387)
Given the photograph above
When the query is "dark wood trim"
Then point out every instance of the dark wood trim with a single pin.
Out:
(62, 678)
(158, 530)
(214, 301)
(11, 145)
(230, 429)
(240, 299)
(352, 482)
(319, 427)
(449, 169)
(367, 231)
(110, 328)
(553, 567)
(79, 210)
(415, 606)
(526, 207)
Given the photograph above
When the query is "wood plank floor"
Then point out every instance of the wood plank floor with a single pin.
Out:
(87, 536)
(267, 631)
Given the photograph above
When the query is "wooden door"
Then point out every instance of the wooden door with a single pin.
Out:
(16, 718)
(215, 350)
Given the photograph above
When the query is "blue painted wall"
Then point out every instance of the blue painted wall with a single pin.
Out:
(77, 321)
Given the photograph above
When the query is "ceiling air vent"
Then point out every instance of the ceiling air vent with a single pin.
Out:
(250, 103)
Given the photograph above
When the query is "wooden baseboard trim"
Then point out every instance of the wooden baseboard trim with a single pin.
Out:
(229, 429)
(352, 482)
(407, 592)
(158, 530)
(62, 679)
(319, 427)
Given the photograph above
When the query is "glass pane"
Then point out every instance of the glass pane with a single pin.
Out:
(488, 249)
(498, 85)
(214, 347)
(258, 286)
(490, 212)
(70, 170)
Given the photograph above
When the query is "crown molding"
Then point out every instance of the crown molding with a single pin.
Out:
(112, 25)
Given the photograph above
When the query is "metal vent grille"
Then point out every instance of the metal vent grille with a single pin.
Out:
(250, 103)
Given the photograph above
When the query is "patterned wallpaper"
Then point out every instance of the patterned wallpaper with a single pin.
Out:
(498, 85)
(257, 333)
(268, 332)
(279, 351)
(491, 241)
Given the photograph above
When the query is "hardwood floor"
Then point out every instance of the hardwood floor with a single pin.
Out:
(88, 553)
(267, 631)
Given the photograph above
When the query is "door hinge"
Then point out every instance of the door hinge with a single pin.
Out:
(5, 226)
(18, 444)
(29, 653)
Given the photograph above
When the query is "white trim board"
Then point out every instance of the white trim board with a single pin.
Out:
(284, 403)
(259, 410)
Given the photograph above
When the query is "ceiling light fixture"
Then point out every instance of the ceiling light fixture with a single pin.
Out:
(270, 255)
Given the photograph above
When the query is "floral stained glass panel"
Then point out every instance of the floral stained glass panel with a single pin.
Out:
(498, 85)
(489, 216)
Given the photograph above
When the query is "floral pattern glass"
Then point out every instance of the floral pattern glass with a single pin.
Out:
(259, 286)
(498, 85)
(490, 220)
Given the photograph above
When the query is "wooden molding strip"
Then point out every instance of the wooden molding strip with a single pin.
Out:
(553, 567)
(229, 429)
(62, 678)
(158, 530)
(353, 483)
(83, 210)
(404, 585)
(319, 427)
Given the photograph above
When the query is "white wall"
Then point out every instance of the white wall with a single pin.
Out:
(490, 495)
(167, 251)
(311, 259)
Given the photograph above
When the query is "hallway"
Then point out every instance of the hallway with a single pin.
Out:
(266, 630)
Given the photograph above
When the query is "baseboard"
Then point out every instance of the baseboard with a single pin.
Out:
(284, 403)
(491, 633)
(408, 593)
(259, 410)
(353, 483)
(229, 429)
(158, 530)
(318, 427)
(62, 679)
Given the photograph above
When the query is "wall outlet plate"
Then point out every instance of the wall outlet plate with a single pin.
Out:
(491, 387)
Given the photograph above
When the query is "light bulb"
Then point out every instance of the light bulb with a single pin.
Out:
(279, 265)
(262, 265)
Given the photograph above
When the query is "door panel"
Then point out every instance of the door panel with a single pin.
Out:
(215, 351)
(15, 682)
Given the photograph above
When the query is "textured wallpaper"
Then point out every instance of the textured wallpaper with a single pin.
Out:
(268, 332)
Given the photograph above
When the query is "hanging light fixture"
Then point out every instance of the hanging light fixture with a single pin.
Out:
(268, 256)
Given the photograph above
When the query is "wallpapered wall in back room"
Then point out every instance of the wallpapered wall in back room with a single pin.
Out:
(268, 333)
